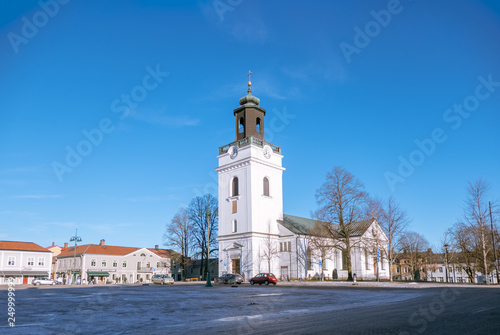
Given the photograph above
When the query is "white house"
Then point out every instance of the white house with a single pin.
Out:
(254, 234)
(101, 263)
(23, 261)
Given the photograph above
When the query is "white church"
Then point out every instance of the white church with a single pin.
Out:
(254, 234)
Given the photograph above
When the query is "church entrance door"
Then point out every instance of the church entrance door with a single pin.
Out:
(236, 266)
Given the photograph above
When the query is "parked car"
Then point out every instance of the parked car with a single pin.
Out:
(162, 279)
(229, 278)
(43, 281)
(264, 278)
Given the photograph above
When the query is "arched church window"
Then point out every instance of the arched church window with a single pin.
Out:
(344, 260)
(235, 226)
(234, 191)
(266, 186)
(257, 125)
(309, 259)
(242, 125)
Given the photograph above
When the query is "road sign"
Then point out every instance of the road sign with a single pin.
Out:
(319, 263)
(378, 256)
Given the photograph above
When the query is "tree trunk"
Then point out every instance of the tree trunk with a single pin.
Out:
(390, 261)
(348, 259)
(483, 243)
(202, 265)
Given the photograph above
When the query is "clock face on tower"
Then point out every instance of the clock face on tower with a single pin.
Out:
(267, 151)
(233, 152)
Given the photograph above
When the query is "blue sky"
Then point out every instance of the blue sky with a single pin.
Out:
(367, 85)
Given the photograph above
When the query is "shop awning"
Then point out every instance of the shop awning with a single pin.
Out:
(98, 273)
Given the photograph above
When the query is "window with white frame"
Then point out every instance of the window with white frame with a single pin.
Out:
(12, 260)
(115, 263)
(31, 261)
(41, 261)
(103, 263)
(235, 226)
(124, 264)
(157, 264)
(93, 262)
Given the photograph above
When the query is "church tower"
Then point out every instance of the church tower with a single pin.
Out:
(250, 194)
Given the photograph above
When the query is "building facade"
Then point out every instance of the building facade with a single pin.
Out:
(254, 234)
(101, 264)
(23, 261)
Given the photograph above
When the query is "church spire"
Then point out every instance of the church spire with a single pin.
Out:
(249, 98)
(249, 116)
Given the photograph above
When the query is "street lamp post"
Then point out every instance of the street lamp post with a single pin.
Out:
(446, 260)
(494, 248)
(76, 239)
(209, 283)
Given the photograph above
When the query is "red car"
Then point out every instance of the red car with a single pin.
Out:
(264, 278)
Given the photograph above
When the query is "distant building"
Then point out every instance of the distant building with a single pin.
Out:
(56, 250)
(23, 261)
(194, 269)
(101, 263)
(431, 266)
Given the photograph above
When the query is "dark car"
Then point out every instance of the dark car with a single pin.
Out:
(264, 278)
(229, 278)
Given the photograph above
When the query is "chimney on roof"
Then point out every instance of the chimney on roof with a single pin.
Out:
(66, 244)
(102, 243)
(53, 244)
(156, 246)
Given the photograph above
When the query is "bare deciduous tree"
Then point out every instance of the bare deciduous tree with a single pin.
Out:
(320, 241)
(476, 213)
(464, 241)
(342, 200)
(179, 235)
(203, 214)
(269, 248)
(394, 221)
(414, 245)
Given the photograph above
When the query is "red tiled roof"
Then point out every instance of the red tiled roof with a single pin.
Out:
(25, 246)
(97, 249)
(160, 252)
